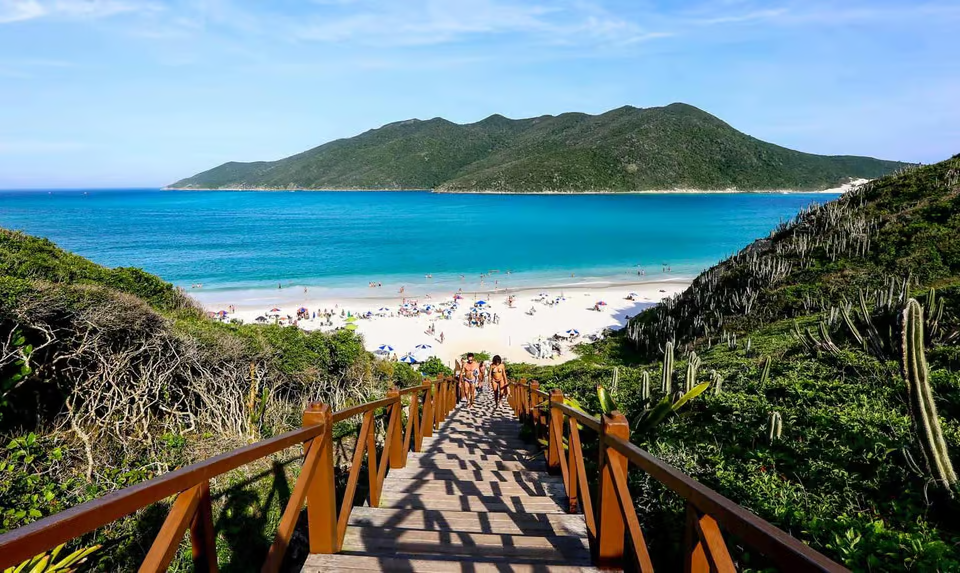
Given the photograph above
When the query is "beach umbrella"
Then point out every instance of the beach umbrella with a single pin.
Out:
(222, 313)
(544, 294)
(409, 359)
(302, 309)
(601, 303)
(274, 310)
(457, 297)
(573, 332)
(480, 303)
(634, 294)
(384, 309)
(351, 319)
(261, 319)
(422, 346)
(385, 348)
(351, 326)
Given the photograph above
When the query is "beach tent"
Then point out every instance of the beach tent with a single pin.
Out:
(385, 348)
(409, 359)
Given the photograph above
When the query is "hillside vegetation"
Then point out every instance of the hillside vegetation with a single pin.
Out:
(820, 415)
(626, 149)
(111, 376)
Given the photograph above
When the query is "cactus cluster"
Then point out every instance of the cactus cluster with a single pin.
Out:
(666, 382)
(922, 406)
(693, 364)
(775, 425)
(716, 380)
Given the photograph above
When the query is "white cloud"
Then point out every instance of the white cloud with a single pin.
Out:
(22, 10)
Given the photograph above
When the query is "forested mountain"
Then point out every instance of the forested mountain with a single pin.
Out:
(626, 149)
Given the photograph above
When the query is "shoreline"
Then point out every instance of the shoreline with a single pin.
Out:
(531, 320)
(831, 191)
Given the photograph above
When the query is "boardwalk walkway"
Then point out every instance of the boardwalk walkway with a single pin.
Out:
(473, 500)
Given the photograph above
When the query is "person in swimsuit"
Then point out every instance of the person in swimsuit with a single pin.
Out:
(498, 379)
(469, 375)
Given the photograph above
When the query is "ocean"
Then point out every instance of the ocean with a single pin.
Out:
(238, 244)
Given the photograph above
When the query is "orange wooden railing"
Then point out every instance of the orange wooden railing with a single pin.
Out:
(613, 517)
(192, 509)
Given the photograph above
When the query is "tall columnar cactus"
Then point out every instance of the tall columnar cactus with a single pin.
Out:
(848, 320)
(717, 381)
(776, 426)
(666, 382)
(765, 372)
(615, 383)
(645, 386)
(922, 407)
(693, 364)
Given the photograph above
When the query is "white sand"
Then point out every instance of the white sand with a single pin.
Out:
(509, 338)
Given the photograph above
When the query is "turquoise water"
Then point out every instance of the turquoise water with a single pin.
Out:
(330, 241)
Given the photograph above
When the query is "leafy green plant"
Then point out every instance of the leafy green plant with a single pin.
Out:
(48, 562)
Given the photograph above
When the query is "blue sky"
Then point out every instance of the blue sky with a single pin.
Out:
(144, 92)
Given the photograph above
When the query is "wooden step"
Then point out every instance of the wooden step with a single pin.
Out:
(470, 455)
(432, 564)
(477, 546)
(553, 524)
(488, 504)
(487, 475)
(459, 487)
(536, 465)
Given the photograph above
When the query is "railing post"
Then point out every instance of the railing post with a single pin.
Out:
(396, 453)
(610, 523)
(534, 402)
(322, 493)
(426, 423)
(555, 434)
(202, 536)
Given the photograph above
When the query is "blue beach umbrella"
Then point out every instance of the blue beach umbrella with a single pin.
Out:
(409, 359)
(480, 303)
(385, 348)
(573, 332)
(422, 346)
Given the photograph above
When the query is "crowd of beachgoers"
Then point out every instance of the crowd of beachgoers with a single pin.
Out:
(532, 325)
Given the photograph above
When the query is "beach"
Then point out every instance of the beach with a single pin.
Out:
(513, 332)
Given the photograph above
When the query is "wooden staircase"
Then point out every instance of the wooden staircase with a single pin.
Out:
(476, 498)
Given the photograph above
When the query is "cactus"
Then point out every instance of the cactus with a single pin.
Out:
(776, 426)
(845, 312)
(765, 373)
(922, 406)
(615, 383)
(693, 364)
(645, 386)
(666, 383)
(717, 381)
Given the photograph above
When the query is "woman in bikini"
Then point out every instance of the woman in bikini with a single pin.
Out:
(498, 379)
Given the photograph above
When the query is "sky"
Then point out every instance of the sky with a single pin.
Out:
(140, 93)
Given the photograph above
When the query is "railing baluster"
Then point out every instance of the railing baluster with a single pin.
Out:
(610, 524)
(321, 491)
(573, 473)
(171, 533)
(555, 436)
(203, 539)
(373, 494)
(629, 513)
(695, 558)
(426, 423)
(413, 417)
(344, 515)
(715, 547)
(393, 443)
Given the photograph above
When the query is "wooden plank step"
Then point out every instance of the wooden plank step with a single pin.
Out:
(482, 546)
(481, 503)
(457, 487)
(535, 465)
(487, 475)
(470, 456)
(433, 564)
(471, 522)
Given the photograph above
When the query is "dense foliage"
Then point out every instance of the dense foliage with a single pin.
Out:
(809, 421)
(111, 376)
(626, 149)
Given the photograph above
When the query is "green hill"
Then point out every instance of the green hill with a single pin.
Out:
(626, 149)
(808, 419)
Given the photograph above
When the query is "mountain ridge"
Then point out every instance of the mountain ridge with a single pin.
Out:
(626, 149)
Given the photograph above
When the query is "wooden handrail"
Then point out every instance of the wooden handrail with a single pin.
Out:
(191, 508)
(614, 514)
